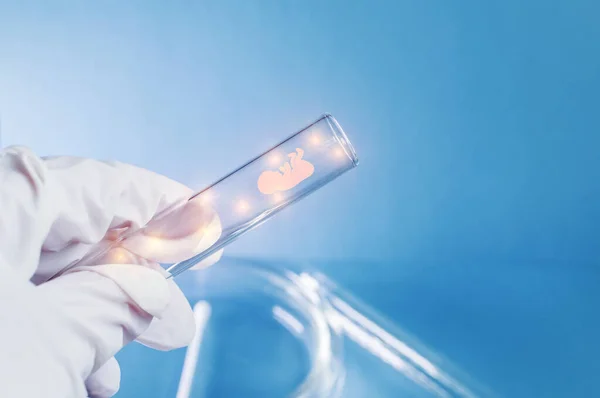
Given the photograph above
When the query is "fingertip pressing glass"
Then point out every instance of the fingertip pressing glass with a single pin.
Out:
(284, 174)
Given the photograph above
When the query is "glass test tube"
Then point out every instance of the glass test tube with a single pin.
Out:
(289, 171)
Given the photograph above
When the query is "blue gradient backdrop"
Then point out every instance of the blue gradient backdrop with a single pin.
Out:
(473, 219)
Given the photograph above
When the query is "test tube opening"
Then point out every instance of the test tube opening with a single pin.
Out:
(342, 138)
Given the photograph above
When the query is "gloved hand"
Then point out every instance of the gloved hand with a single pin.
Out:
(58, 335)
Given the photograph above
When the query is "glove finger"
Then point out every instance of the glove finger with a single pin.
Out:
(104, 307)
(52, 201)
(97, 196)
(175, 327)
(173, 323)
(146, 288)
(104, 382)
(209, 261)
(27, 211)
(93, 200)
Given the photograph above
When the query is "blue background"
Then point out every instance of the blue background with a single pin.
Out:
(473, 217)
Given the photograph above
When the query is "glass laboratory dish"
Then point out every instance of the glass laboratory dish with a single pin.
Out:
(280, 330)
(260, 333)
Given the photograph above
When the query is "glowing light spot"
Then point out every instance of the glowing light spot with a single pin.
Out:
(154, 245)
(274, 159)
(315, 139)
(118, 256)
(211, 229)
(338, 153)
(206, 197)
(242, 206)
(278, 197)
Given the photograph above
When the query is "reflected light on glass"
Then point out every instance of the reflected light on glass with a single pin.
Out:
(338, 153)
(242, 206)
(391, 350)
(202, 312)
(207, 198)
(278, 197)
(288, 320)
(356, 326)
(275, 159)
(315, 139)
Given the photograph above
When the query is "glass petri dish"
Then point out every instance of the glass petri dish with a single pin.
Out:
(276, 329)
(261, 332)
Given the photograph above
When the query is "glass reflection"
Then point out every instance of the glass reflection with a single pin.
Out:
(298, 336)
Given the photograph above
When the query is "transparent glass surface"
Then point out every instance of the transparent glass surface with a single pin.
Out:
(289, 171)
(279, 332)
(259, 334)
(250, 195)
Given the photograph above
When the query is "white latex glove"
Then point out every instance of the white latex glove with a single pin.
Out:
(58, 337)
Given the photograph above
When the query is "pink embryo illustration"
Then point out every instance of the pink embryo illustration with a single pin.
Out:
(289, 175)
